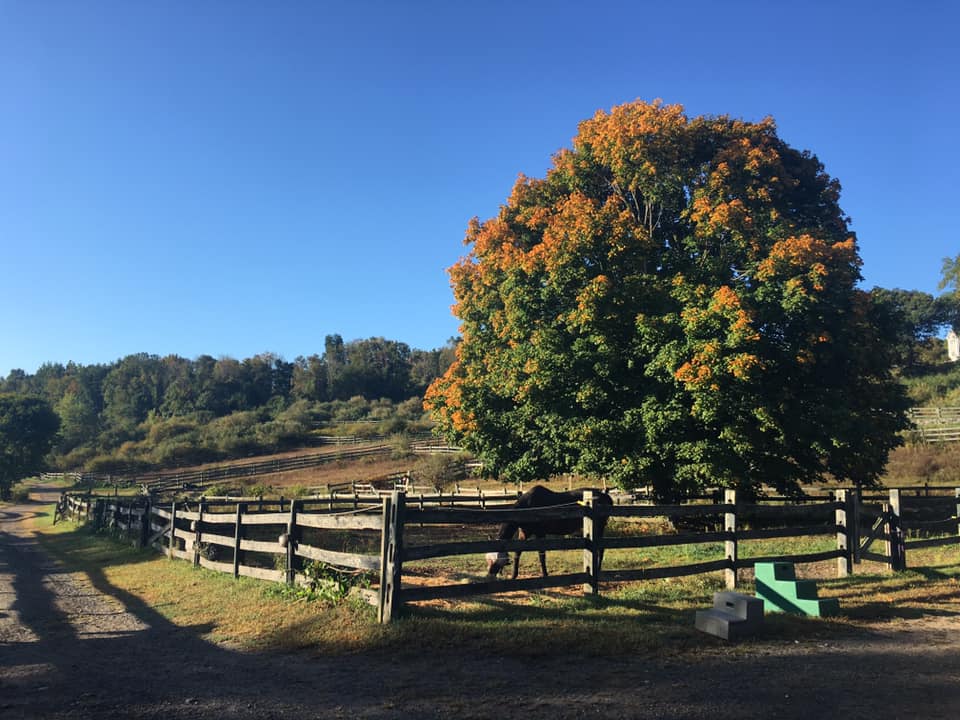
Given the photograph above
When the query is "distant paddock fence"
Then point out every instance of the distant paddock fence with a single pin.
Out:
(181, 480)
(425, 436)
(200, 479)
(274, 539)
(175, 481)
(936, 425)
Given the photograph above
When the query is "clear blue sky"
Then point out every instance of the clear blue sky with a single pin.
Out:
(230, 178)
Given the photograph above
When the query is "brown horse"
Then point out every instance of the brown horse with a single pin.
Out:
(539, 497)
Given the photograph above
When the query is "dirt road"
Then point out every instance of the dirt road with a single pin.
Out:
(75, 647)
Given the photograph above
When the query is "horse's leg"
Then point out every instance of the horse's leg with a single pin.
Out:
(516, 558)
(543, 558)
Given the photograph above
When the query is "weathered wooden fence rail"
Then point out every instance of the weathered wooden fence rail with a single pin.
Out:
(275, 539)
(934, 425)
(160, 482)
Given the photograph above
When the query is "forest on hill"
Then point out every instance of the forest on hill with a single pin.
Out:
(145, 411)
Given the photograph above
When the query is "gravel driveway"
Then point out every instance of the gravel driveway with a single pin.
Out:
(73, 646)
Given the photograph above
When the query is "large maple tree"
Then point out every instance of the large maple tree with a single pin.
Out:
(674, 304)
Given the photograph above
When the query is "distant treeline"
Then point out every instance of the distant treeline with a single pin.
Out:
(147, 410)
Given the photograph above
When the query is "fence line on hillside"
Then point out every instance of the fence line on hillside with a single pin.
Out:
(275, 539)
(168, 481)
(936, 425)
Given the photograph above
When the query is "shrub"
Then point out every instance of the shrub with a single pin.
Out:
(165, 429)
(411, 409)
(181, 452)
(113, 465)
(441, 469)
(356, 408)
(259, 489)
(219, 490)
(76, 458)
(400, 446)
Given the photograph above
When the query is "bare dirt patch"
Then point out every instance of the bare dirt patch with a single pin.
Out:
(73, 646)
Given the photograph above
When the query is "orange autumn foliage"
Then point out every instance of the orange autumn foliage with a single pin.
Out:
(678, 291)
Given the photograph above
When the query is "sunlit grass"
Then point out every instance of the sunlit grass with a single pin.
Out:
(629, 618)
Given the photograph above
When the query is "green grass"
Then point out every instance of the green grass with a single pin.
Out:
(641, 617)
(936, 385)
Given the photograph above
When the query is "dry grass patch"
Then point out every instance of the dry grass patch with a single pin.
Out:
(631, 618)
(239, 613)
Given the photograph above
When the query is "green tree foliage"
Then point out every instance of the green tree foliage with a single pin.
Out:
(28, 428)
(79, 419)
(674, 304)
(375, 368)
(950, 275)
(910, 318)
(309, 379)
(126, 413)
(427, 365)
(130, 391)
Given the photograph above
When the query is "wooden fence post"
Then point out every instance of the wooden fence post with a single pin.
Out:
(844, 559)
(145, 524)
(173, 528)
(237, 538)
(591, 550)
(385, 516)
(292, 543)
(730, 545)
(393, 559)
(956, 494)
(854, 530)
(198, 534)
(895, 548)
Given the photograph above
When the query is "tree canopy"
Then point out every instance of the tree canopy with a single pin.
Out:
(28, 427)
(103, 407)
(914, 319)
(950, 275)
(674, 304)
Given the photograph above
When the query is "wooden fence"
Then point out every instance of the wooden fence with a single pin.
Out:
(162, 482)
(936, 425)
(275, 540)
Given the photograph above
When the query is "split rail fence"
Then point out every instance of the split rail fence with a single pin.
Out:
(936, 425)
(162, 482)
(275, 540)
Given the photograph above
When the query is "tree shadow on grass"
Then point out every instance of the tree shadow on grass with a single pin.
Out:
(171, 671)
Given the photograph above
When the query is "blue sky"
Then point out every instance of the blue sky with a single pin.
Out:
(230, 178)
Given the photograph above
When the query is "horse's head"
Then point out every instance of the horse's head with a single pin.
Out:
(497, 562)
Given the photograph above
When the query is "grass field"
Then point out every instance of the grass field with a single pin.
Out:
(627, 618)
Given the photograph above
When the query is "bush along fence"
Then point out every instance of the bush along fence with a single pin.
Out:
(277, 540)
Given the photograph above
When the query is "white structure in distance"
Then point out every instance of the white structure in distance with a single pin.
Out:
(953, 346)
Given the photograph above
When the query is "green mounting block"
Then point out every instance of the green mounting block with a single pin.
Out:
(778, 587)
